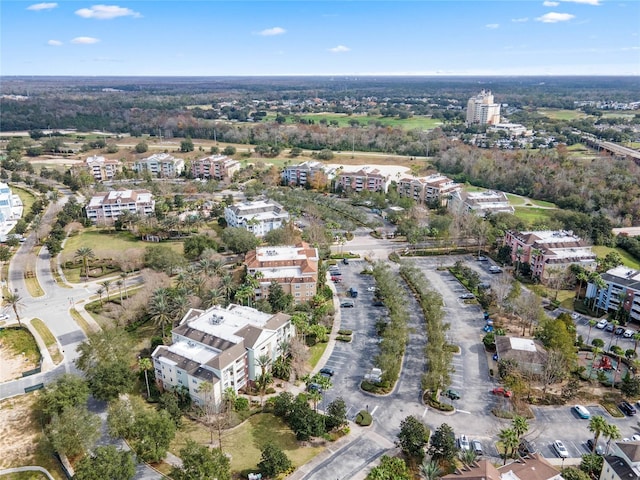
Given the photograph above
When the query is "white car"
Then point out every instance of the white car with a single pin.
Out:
(628, 333)
(463, 443)
(4, 316)
(371, 289)
(601, 324)
(560, 449)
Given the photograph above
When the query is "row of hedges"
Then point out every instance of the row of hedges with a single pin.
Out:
(438, 352)
(395, 336)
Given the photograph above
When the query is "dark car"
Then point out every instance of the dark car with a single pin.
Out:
(627, 408)
(347, 304)
(619, 330)
(327, 371)
(378, 303)
(452, 394)
(345, 261)
(526, 447)
(494, 269)
(599, 448)
(314, 387)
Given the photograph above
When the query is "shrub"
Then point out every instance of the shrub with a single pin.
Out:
(345, 332)
(344, 338)
(241, 404)
(363, 418)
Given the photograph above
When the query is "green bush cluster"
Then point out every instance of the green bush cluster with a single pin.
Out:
(364, 418)
(344, 338)
(345, 332)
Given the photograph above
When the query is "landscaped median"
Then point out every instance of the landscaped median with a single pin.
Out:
(48, 339)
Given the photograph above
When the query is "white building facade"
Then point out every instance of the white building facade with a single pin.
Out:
(259, 217)
(160, 165)
(220, 346)
(104, 209)
(481, 109)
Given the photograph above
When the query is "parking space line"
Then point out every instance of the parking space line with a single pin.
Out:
(374, 410)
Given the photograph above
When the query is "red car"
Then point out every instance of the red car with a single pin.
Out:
(502, 392)
(336, 279)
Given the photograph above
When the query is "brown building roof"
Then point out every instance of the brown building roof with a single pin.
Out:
(278, 320)
(183, 363)
(531, 467)
(481, 470)
(250, 334)
(506, 351)
(226, 358)
(631, 450)
(199, 336)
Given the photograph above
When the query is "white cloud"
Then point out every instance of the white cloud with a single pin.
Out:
(339, 49)
(548, 3)
(270, 32)
(85, 40)
(42, 6)
(54, 43)
(520, 20)
(555, 17)
(586, 2)
(492, 25)
(106, 12)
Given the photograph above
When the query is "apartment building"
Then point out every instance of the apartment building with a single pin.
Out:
(217, 167)
(480, 203)
(547, 249)
(9, 201)
(481, 109)
(366, 178)
(105, 208)
(219, 346)
(294, 268)
(622, 290)
(623, 463)
(434, 189)
(299, 175)
(259, 217)
(102, 169)
(160, 165)
(531, 467)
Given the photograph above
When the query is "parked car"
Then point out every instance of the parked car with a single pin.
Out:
(467, 296)
(628, 333)
(371, 289)
(526, 447)
(582, 411)
(560, 449)
(463, 443)
(353, 293)
(599, 448)
(336, 279)
(476, 446)
(452, 394)
(495, 269)
(378, 303)
(619, 330)
(4, 316)
(347, 304)
(334, 268)
(601, 324)
(336, 273)
(627, 408)
(502, 392)
(345, 261)
(610, 327)
(314, 387)
(327, 371)
(482, 258)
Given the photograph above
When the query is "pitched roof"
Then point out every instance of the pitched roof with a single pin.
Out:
(481, 470)
(250, 334)
(227, 357)
(631, 450)
(532, 467)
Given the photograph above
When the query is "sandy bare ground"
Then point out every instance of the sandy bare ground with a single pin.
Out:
(18, 433)
(12, 365)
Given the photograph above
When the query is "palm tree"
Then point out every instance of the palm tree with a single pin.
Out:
(611, 432)
(227, 287)
(592, 323)
(180, 304)
(84, 254)
(5, 256)
(636, 339)
(160, 309)
(244, 293)
(36, 223)
(597, 426)
(15, 300)
(213, 297)
(429, 470)
(100, 292)
(468, 457)
(581, 277)
(145, 364)
(510, 442)
(106, 285)
(315, 396)
(263, 381)
(120, 283)
(123, 276)
(596, 351)
(519, 252)
(263, 361)
(519, 425)
(615, 324)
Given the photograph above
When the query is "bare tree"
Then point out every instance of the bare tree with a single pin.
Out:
(529, 307)
(299, 357)
(215, 413)
(554, 369)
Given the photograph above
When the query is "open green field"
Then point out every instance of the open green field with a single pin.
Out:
(532, 214)
(515, 200)
(560, 114)
(542, 203)
(243, 443)
(103, 243)
(418, 122)
(26, 197)
(20, 342)
(601, 251)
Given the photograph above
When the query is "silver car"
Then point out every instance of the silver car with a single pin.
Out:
(560, 449)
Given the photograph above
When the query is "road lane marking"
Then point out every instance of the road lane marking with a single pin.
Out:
(464, 411)
(425, 411)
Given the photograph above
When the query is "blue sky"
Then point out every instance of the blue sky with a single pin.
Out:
(298, 37)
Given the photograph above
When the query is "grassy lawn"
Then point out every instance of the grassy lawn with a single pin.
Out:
(417, 122)
(532, 215)
(25, 476)
(315, 352)
(48, 338)
(542, 203)
(26, 197)
(244, 442)
(601, 251)
(20, 341)
(33, 286)
(515, 200)
(560, 114)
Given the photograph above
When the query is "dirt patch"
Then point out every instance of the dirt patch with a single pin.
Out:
(19, 434)
(13, 364)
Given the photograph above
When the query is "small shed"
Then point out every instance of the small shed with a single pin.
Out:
(529, 354)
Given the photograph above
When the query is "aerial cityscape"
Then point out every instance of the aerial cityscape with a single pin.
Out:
(317, 240)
